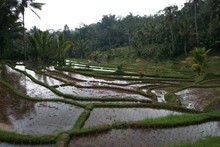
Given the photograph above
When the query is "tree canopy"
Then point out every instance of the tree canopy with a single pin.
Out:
(165, 35)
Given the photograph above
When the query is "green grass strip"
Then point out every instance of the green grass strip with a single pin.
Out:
(6, 136)
(169, 121)
(63, 140)
(206, 142)
(82, 119)
(90, 130)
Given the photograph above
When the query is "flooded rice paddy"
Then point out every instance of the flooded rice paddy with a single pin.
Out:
(110, 115)
(98, 93)
(30, 117)
(49, 113)
(197, 98)
(148, 137)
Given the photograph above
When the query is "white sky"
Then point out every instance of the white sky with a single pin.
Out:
(56, 13)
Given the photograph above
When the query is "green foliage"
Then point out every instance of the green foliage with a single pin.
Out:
(42, 41)
(200, 56)
(10, 27)
(161, 36)
(164, 35)
(170, 97)
(61, 47)
(199, 59)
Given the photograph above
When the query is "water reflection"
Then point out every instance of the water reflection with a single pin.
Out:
(108, 116)
(160, 95)
(47, 118)
(99, 93)
(24, 84)
(40, 77)
(12, 105)
(196, 98)
(148, 137)
(35, 117)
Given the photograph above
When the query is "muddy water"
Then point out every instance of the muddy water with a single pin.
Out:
(98, 93)
(96, 68)
(196, 98)
(160, 95)
(25, 84)
(148, 137)
(22, 145)
(130, 86)
(88, 78)
(11, 104)
(108, 116)
(42, 78)
(35, 117)
(112, 102)
(47, 118)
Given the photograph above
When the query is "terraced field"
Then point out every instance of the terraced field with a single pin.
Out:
(82, 105)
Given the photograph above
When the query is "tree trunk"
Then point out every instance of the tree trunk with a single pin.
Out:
(24, 47)
(171, 31)
(185, 44)
(196, 27)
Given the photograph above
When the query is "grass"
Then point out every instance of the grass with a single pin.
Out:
(218, 90)
(170, 98)
(181, 120)
(82, 119)
(6, 136)
(63, 140)
(206, 142)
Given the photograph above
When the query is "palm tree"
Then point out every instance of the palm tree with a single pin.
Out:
(62, 46)
(42, 41)
(199, 59)
(32, 5)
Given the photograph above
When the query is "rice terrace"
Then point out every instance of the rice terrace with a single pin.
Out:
(124, 81)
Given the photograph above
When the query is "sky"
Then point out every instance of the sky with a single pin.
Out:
(56, 13)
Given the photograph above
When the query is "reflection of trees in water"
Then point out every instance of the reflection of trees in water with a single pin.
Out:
(13, 105)
(39, 77)
(13, 77)
(10, 103)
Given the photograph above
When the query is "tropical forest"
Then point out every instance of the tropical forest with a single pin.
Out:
(151, 80)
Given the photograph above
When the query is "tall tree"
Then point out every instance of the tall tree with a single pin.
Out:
(195, 5)
(32, 5)
(170, 14)
(10, 27)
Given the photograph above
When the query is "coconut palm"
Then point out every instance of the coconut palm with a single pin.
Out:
(199, 59)
(62, 46)
(42, 41)
(32, 5)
